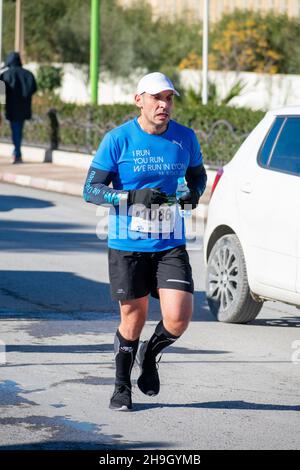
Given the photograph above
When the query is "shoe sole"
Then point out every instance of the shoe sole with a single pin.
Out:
(122, 408)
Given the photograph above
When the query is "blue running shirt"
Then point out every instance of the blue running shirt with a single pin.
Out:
(141, 160)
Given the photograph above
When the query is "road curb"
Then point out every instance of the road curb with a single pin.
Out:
(64, 187)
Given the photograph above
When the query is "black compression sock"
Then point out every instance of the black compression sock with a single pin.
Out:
(125, 352)
(160, 339)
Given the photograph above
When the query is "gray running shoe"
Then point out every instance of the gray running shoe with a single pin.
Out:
(121, 398)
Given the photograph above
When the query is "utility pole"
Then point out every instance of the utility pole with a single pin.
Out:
(205, 52)
(19, 36)
(1, 14)
(94, 50)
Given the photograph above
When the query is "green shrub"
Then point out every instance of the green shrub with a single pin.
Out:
(49, 78)
(220, 129)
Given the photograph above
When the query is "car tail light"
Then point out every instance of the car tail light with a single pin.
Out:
(217, 179)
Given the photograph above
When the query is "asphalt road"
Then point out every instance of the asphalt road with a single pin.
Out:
(223, 386)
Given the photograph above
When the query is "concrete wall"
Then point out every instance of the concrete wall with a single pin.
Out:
(262, 91)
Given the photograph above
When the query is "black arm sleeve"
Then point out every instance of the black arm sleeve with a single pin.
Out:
(96, 188)
(196, 178)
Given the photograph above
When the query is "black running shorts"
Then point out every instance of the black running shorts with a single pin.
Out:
(136, 274)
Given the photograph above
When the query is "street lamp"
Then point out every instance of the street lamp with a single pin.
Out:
(1, 10)
(205, 52)
(94, 50)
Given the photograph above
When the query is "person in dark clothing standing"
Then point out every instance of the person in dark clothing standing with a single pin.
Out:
(20, 85)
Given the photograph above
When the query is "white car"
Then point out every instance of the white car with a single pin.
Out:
(252, 236)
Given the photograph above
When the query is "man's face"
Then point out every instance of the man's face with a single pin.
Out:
(156, 109)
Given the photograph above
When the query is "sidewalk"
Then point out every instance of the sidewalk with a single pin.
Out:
(46, 176)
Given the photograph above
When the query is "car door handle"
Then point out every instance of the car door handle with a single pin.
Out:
(246, 187)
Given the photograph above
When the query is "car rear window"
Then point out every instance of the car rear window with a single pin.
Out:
(281, 148)
(286, 154)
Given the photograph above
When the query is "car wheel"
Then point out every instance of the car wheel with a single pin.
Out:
(227, 287)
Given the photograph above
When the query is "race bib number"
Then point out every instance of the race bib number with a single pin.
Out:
(159, 220)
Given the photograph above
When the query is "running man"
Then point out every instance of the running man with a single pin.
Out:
(143, 159)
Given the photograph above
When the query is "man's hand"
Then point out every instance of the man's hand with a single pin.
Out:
(147, 197)
(191, 197)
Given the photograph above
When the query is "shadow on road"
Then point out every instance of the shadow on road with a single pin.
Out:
(36, 293)
(85, 445)
(24, 236)
(95, 348)
(283, 321)
(47, 294)
(81, 435)
(8, 203)
(220, 405)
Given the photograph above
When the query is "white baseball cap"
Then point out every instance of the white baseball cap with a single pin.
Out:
(155, 82)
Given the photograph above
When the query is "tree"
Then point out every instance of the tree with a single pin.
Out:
(240, 42)
(53, 31)
(59, 31)
(283, 36)
(41, 20)
(8, 25)
(132, 40)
